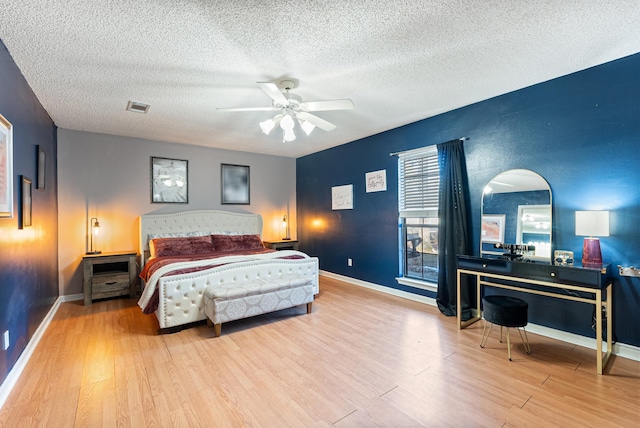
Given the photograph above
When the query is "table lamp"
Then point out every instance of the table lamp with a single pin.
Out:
(95, 228)
(591, 224)
(285, 225)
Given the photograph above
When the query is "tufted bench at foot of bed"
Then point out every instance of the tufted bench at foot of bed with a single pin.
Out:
(236, 300)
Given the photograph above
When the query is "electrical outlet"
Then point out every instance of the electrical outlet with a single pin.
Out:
(5, 340)
(349, 262)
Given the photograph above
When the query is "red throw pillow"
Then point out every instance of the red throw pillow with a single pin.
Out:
(163, 247)
(236, 242)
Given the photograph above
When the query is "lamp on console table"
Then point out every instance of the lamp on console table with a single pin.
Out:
(591, 224)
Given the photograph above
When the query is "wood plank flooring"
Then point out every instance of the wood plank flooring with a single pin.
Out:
(361, 359)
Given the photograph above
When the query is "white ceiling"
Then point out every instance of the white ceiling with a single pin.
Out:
(398, 61)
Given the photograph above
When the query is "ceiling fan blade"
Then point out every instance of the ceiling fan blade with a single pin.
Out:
(272, 90)
(247, 109)
(345, 104)
(315, 120)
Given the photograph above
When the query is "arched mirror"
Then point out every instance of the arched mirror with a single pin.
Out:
(516, 209)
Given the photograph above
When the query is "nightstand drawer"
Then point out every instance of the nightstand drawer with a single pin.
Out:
(103, 283)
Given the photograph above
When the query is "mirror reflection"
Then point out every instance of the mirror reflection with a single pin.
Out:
(516, 209)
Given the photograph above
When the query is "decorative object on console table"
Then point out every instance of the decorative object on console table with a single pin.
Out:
(591, 224)
(281, 245)
(109, 275)
(94, 229)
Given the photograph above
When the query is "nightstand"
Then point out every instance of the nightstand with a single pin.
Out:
(109, 275)
(281, 245)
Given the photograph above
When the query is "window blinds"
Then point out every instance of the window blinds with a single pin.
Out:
(418, 181)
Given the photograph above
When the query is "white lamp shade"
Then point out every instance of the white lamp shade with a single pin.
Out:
(307, 127)
(289, 135)
(287, 122)
(592, 223)
(267, 126)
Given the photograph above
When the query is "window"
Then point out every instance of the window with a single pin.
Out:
(418, 181)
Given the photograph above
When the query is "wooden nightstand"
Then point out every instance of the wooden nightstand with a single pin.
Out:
(281, 245)
(109, 275)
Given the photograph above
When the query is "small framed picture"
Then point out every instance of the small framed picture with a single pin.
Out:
(6, 168)
(26, 201)
(42, 165)
(493, 228)
(169, 181)
(235, 184)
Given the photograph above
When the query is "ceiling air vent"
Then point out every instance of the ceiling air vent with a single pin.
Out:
(138, 107)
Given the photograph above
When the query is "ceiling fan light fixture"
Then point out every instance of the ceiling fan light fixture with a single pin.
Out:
(288, 135)
(267, 126)
(287, 123)
(307, 127)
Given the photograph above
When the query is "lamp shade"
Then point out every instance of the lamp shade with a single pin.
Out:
(592, 223)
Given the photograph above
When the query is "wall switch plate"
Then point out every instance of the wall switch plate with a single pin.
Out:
(349, 262)
(5, 340)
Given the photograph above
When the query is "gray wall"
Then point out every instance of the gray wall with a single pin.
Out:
(108, 177)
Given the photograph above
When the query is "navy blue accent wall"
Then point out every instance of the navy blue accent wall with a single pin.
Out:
(29, 256)
(581, 132)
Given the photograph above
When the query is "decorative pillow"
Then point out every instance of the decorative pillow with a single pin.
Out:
(236, 242)
(178, 234)
(162, 247)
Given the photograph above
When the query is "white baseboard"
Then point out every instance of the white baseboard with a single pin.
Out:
(72, 297)
(619, 349)
(16, 371)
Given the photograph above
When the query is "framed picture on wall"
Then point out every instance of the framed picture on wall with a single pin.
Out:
(235, 184)
(42, 159)
(169, 181)
(25, 202)
(6, 168)
(493, 228)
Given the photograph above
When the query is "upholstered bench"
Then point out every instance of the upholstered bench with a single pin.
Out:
(505, 311)
(236, 300)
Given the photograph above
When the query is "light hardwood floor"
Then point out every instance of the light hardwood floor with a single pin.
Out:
(361, 359)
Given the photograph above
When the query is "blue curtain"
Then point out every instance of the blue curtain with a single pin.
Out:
(453, 226)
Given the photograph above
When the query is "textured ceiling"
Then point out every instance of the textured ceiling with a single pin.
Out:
(398, 61)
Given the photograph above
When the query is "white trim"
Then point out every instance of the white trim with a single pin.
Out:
(620, 349)
(71, 297)
(14, 374)
(382, 288)
(416, 283)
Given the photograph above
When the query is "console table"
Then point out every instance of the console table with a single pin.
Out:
(547, 280)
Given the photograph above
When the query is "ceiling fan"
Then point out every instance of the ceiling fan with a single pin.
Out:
(289, 107)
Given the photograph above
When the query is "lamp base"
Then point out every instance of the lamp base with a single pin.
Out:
(94, 252)
(591, 254)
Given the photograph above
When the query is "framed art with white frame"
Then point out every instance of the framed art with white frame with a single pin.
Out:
(6, 168)
(493, 228)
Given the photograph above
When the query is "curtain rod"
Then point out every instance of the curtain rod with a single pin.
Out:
(397, 153)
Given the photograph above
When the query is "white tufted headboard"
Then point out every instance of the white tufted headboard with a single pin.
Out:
(198, 220)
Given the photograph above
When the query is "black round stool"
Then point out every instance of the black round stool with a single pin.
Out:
(505, 311)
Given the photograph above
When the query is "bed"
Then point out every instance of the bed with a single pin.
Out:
(174, 282)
